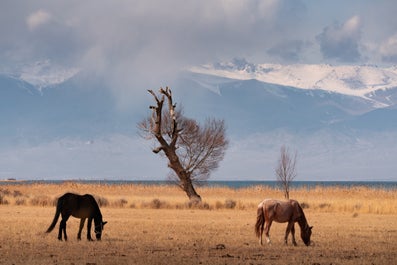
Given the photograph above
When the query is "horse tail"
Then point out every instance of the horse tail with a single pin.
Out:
(260, 220)
(56, 217)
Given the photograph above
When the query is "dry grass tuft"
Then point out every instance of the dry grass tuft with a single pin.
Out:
(102, 201)
(43, 201)
(324, 205)
(198, 205)
(20, 201)
(3, 200)
(120, 203)
(228, 204)
(155, 204)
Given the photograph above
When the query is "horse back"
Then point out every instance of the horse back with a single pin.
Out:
(80, 206)
(279, 211)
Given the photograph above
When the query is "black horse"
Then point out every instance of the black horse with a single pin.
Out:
(79, 206)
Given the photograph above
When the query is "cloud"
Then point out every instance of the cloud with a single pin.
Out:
(139, 45)
(37, 19)
(388, 49)
(288, 51)
(341, 42)
(135, 45)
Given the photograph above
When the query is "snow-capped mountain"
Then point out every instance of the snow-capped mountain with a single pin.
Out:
(73, 108)
(364, 81)
(55, 120)
(44, 74)
(243, 94)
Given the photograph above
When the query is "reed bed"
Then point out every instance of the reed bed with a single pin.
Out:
(355, 200)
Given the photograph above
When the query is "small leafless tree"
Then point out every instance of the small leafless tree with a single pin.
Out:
(286, 169)
(193, 151)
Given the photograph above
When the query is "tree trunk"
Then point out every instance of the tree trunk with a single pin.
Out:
(188, 187)
(184, 177)
(169, 148)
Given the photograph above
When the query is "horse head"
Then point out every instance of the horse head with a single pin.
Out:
(98, 229)
(305, 234)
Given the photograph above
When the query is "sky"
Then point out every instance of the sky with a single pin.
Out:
(117, 38)
(136, 45)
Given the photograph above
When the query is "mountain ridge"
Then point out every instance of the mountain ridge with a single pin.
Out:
(361, 81)
(76, 130)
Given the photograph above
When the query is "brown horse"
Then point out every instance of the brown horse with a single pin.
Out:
(79, 206)
(290, 211)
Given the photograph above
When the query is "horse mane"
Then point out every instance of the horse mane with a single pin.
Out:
(302, 220)
(95, 204)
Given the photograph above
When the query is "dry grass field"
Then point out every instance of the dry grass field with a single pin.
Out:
(155, 225)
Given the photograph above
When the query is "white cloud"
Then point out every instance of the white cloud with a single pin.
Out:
(388, 49)
(38, 19)
(351, 27)
(342, 42)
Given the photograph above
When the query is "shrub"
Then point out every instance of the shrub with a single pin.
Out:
(42, 201)
(324, 205)
(198, 205)
(17, 193)
(5, 192)
(305, 205)
(102, 201)
(157, 204)
(120, 203)
(3, 201)
(230, 204)
(20, 202)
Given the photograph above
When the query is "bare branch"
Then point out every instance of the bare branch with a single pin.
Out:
(158, 149)
(192, 151)
(286, 169)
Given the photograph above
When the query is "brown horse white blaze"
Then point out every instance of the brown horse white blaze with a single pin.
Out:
(290, 211)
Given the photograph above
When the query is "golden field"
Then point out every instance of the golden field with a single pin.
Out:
(155, 225)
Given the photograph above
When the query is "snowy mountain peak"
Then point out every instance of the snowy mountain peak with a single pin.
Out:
(345, 79)
(43, 74)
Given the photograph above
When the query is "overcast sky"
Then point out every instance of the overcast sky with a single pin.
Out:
(145, 43)
(136, 45)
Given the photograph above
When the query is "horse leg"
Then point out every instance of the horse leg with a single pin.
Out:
(60, 230)
(289, 228)
(293, 234)
(82, 220)
(62, 227)
(89, 229)
(267, 230)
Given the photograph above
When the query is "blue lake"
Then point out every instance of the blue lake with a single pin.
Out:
(229, 184)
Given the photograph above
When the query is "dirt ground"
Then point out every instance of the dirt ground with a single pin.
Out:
(185, 236)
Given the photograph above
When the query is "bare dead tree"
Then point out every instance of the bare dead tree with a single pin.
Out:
(286, 169)
(193, 151)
